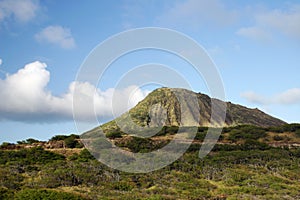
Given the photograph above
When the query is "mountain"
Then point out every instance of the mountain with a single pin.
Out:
(163, 107)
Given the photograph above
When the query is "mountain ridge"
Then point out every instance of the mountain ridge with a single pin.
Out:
(162, 108)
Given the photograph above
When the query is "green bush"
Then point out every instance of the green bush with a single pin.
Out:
(123, 186)
(6, 145)
(297, 133)
(10, 178)
(246, 132)
(29, 156)
(278, 138)
(84, 156)
(291, 127)
(33, 194)
(72, 141)
(28, 141)
(58, 137)
(6, 194)
(114, 134)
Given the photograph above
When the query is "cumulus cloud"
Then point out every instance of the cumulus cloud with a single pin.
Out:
(20, 10)
(25, 98)
(56, 35)
(289, 97)
(284, 21)
(0, 61)
(198, 13)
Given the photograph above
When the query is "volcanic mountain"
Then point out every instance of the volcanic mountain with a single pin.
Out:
(163, 107)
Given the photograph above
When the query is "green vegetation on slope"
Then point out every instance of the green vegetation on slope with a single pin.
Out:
(245, 164)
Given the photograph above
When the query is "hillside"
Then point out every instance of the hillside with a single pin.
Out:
(248, 162)
(162, 108)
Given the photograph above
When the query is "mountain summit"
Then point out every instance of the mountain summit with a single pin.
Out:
(163, 108)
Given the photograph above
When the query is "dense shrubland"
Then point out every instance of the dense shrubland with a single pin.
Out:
(243, 165)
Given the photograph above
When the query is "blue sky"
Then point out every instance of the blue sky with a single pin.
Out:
(254, 44)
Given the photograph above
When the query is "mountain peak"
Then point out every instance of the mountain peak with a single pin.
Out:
(162, 108)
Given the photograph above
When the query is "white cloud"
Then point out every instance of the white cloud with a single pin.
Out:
(0, 61)
(254, 98)
(254, 33)
(289, 97)
(197, 13)
(26, 98)
(56, 35)
(283, 21)
(21, 10)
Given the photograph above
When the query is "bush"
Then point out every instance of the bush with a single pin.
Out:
(58, 137)
(28, 141)
(278, 138)
(6, 145)
(123, 186)
(5, 194)
(29, 156)
(254, 144)
(291, 127)
(72, 141)
(84, 156)
(246, 132)
(113, 135)
(297, 133)
(9, 178)
(32, 194)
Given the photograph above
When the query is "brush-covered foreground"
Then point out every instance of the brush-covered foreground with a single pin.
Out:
(247, 163)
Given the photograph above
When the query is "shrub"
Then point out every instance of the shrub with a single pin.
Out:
(32, 194)
(246, 132)
(123, 186)
(28, 141)
(254, 144)
(278, 138)
(297, 133)
(5, 194)
(10, 178)
(6, 145)
(58, 137)
(113, 135)
(29, 156)
(291, 127)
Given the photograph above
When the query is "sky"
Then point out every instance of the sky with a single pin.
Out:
(255, 46)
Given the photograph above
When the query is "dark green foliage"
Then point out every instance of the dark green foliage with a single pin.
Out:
(58, 137)
(28, 141)
(123, 186)
(279, 129)
(278, 138)
(170, 130)
(114, 135)
(249, 169)
(84, 156)
(10, 178)
(291, 127)
(6, 145)
(251, 144)
(6, 194)
(246, 132)
(297, 133)
(33, 194)
(142, 145)
(29, 156)
(71, 141)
